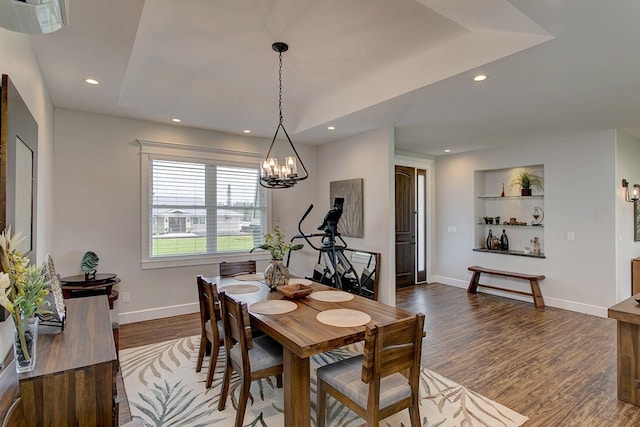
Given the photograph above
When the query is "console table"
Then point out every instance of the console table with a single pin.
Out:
(74, 382)
(627, 314)
(80, 286)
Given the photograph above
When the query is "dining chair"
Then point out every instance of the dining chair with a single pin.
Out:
(251, 358)
(212, 333)
(384, 380)
(238, 267)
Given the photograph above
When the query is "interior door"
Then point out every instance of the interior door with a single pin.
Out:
(405, 226)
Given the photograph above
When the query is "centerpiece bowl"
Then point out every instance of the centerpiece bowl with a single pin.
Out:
(295, 290)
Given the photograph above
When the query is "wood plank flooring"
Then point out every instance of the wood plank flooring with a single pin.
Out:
(555, 366)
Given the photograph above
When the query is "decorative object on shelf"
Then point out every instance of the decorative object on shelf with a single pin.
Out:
(504, 241)
(488, 220)
(55, 296)
(490, 240)
(536, 245)
(277, 274)
(525, 179)
(538, 216)
(502, 194)
(625, 190)
(527, 250)
(497, 220)
(496, 243)
(22, 293)
(89, 264)
(513, 221)
(274, 175)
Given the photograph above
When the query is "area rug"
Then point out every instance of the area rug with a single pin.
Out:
(164, 390)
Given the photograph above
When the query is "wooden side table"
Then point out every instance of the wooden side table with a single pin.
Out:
(627, 314)
(79, 286)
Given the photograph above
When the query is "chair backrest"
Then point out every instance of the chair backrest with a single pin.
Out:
(393, 347)
(231, 268)
(209, 303)
(237, 324)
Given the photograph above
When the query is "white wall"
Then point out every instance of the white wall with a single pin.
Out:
(580, 196)
(21, 66)
(368, 156)
(97, 192)
(627, 158)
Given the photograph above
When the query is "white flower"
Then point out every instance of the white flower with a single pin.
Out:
(5, 283)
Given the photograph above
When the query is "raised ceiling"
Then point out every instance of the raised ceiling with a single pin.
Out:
(554, 66)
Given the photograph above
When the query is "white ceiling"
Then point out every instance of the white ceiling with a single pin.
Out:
(554, 66)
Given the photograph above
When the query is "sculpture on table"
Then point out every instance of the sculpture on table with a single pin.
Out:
(536, 245)
(89, 264)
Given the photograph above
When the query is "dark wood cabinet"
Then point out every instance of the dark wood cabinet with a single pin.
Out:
(74, 382)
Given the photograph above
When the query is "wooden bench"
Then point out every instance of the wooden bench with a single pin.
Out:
(532, 278)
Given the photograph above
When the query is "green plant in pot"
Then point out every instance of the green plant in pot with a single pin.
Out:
(526, 179)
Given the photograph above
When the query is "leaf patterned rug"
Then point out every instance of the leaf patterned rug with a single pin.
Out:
(164, 390)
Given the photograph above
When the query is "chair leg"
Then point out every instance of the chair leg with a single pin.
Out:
(225, 386)
(215, 349)
(279, 380)
(414, 415)
(321, 404)
(242, 401)
(203, 344)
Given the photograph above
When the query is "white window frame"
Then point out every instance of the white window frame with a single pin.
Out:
(154, 150)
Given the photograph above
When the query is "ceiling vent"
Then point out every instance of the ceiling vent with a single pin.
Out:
(33, 16)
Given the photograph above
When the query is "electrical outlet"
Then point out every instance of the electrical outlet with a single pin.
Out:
(571, 235)
(126, 297)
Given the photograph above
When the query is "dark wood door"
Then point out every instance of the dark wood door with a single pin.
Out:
(405, 226)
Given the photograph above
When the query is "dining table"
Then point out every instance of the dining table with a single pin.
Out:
(301, 330)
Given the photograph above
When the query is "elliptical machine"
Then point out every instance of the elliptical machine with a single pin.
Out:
(332, 268)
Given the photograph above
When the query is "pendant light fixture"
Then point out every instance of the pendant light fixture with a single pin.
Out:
(273, 174)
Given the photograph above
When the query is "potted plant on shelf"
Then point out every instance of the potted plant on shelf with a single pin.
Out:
(525, 179)
(277, 274)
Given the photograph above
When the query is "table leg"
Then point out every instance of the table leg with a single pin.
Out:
(297, 390)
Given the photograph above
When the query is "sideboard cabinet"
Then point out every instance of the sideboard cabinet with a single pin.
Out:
(74, 382)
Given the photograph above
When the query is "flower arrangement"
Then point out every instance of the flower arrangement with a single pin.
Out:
(22, 287)
(276, 244)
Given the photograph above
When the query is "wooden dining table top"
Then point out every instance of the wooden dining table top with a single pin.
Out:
(299, 330)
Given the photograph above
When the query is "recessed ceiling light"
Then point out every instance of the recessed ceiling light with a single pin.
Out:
(176, 120)
(480, 78)
(331, 127)
(91, 81)
(247, 131)
(448, 150)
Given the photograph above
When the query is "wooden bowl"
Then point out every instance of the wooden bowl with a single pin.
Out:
(295, 290)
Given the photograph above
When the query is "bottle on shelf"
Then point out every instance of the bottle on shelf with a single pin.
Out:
(504, 241)
(490, 240)
(502, 195)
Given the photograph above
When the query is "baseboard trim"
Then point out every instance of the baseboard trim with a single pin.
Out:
(158, 313)
(578, 307)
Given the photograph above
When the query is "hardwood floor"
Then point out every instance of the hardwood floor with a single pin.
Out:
(555, 366)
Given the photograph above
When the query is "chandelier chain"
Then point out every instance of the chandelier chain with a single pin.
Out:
(280, 91)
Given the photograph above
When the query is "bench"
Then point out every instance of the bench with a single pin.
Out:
(532, 278)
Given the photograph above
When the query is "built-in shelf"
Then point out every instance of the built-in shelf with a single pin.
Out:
(510, 225)
(536, 196)
(516, 253)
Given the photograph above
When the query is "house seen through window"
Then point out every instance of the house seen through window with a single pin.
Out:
(204, 208)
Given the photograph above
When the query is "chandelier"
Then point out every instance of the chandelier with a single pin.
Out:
(273, 173)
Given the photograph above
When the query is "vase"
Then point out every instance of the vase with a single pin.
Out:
(24, 363)
(276, 274)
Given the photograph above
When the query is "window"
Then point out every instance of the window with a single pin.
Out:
(201, 207)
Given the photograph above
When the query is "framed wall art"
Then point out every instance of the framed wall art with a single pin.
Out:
(351, 223)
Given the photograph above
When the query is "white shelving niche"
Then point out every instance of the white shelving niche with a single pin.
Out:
(489, 202)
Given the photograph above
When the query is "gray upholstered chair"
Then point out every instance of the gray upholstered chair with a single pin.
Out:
(251, 358)
(212, 333)
(381, 382)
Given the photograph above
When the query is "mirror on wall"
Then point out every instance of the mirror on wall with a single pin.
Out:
(18, 166)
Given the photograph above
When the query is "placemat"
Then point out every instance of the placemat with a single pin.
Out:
(331, 296)
(296, 280)
(252, 276)
(273, 306)
(239, 289)
(343, 317)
